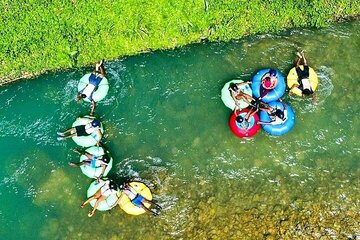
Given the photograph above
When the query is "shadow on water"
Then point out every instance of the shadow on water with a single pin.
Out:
(165, 124)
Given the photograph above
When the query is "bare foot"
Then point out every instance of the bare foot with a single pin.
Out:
(299, 55)
(82, 205)
(76, 151)
(72, 164)
(91, 213)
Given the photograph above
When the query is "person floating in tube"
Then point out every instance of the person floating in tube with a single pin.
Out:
(303, 77)
(139, 200)
(268, 82)
(95, 78)
(83, 130)
(102, 194)
(277, 116)
(237, 94)
(93, 161)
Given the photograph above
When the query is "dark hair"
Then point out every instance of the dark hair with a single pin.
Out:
(112, 185)
(239, 119)
(233, 87)
(280, 113)
(307, 91)
(106, 158)
(95, 123)
(83, 95)
(272, 72)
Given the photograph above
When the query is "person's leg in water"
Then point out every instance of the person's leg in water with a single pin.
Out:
(303, 58)
(62, 134)
(152, 203)
(149, 210)
(298, 59)
(85, 162)
(98, 200)
(65, 132)
(95, 196)
(250, 114)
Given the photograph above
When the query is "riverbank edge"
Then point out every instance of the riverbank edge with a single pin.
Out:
(9, 78)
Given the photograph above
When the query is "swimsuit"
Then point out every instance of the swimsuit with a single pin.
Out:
(82, 130)
(94, 81)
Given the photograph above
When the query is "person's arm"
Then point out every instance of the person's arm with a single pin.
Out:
(237, 105)
(314, 98)
(100, 136)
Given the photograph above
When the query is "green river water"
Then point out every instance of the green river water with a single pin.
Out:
(166, 125)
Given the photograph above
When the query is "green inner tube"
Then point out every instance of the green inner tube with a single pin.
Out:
(94, 172)
(226, 96)
(108, 203)
(99, 93)
(90, 140)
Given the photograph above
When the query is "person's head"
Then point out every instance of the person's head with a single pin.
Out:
(239, 119)
(112, 185)
(234, 87)
(80, 96)
(106, 158)
(266, 82)
(95, 123)
(307, 92)
(272, 72)
(280, 114)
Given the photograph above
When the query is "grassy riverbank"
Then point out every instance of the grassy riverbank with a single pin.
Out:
(38, 35)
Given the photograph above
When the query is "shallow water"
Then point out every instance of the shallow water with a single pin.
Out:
(166, 125)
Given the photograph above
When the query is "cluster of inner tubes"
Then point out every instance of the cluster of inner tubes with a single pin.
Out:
(103, 194)
(258, 102)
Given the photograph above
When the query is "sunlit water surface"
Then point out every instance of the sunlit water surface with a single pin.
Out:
(166, 125)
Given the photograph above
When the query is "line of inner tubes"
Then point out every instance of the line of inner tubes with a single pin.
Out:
(133, 196)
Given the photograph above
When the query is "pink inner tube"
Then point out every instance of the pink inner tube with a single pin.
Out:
(251, 127)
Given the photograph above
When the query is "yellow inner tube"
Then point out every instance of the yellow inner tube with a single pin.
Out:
(292, 80)
(126, 204)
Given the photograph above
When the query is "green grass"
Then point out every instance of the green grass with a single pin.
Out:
(41, 35)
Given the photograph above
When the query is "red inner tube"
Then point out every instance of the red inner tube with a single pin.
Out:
(244, 130)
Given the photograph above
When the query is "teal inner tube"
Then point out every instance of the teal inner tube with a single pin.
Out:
(108, 203)
(90, 140)
(228, 100)
(99, 93)
(92, 172)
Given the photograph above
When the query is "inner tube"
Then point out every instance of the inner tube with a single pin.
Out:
(226, 96)
(279, 129)
(90, 140)
(126, 204)
(241, 132)
(99, 93)
(293, 80)
(108, 203)
(273, 94)
(95, 172)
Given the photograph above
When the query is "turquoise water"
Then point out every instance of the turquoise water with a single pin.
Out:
(166, 125)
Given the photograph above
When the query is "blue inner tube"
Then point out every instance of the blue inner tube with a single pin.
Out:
(279, 129)
(273, 94)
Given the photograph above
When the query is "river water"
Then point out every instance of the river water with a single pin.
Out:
(166, 125)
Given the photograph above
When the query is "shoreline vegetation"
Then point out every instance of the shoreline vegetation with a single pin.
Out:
(41, 35)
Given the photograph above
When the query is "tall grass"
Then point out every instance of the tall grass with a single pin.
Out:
(40, 35)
